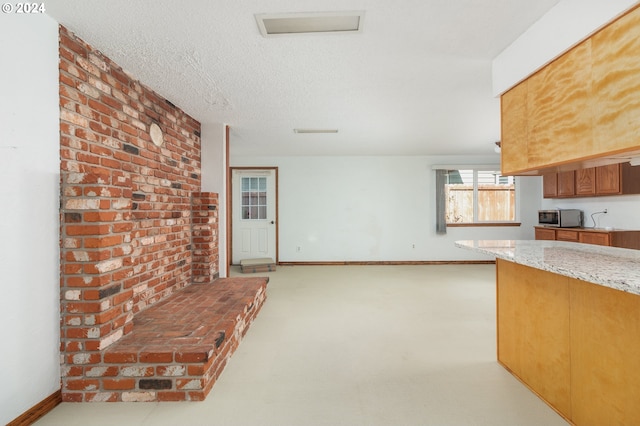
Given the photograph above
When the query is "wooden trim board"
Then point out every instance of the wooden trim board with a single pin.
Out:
(391, 262)
(37, 411)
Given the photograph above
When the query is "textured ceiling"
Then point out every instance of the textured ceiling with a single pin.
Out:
(415, 81)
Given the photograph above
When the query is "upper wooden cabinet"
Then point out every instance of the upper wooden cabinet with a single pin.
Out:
(559, 106)
(586, 182)
(608, 179)
(513, 105)
(579, 108)
(550, 185)
(613, 179)
(566, 184)
(616, 84)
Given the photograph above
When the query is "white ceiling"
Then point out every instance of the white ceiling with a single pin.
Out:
(415, 81)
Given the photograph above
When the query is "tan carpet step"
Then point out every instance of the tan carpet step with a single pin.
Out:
(265, 264)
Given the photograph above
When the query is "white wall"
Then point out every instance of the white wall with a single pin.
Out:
(29, 222)
(564, 26)
(214, 179)
(374, 209)
(622, 210)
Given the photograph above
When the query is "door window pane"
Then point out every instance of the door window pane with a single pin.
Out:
(254, 198)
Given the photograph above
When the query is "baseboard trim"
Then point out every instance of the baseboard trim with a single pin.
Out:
(30, 416)
(391, 262)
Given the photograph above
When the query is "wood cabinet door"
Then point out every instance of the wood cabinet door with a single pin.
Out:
(533, 330)
(567, 235)
(616, 84)
(586, 181)
(550, 185)
(560, 109)
(629, 179)
(514, 139)
(625, 239)
(545, 234)
(608, 179)
(598, 238)
(582, 105)
(566, 184)
(605, 366)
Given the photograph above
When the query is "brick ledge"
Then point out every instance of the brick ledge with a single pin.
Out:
(177, 349)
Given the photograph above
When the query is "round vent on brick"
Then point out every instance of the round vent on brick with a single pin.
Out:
(156, 134)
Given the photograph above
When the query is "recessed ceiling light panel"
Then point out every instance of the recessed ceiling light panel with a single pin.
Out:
(306, 23)
(315, 130)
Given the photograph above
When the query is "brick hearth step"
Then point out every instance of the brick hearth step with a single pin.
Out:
(177, 348)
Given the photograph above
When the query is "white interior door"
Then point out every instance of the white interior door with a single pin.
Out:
(254, 214)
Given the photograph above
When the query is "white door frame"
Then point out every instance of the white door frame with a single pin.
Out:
(230, 201)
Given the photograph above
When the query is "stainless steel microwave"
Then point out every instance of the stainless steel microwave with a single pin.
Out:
(561, 218)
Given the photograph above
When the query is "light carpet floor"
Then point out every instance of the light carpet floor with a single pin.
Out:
(356, 345)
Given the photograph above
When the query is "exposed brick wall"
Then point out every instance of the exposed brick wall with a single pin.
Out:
(126, 204)
(205, 237)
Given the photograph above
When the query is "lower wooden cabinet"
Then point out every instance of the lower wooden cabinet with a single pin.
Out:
(605, 366)
(602, 237)
(545, 233)
(533, 331)
(567, 235)
(574, 343)
(597, 238)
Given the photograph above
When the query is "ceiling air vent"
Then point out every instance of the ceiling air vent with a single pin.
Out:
(305, 23)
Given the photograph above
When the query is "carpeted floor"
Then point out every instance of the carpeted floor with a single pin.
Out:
(356, 345)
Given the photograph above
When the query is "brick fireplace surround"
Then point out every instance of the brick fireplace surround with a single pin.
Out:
(136, 233)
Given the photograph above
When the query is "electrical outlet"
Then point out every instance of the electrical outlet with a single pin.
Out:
(298, 249)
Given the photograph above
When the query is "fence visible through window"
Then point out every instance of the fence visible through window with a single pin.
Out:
(474, 196)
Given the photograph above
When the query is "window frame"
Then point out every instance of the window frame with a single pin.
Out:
(254, 194)
(476, 223)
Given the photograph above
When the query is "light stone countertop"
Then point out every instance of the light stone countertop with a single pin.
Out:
(612, 267)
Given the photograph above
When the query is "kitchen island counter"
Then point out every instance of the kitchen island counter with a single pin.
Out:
(611, 267)
(568, 321)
